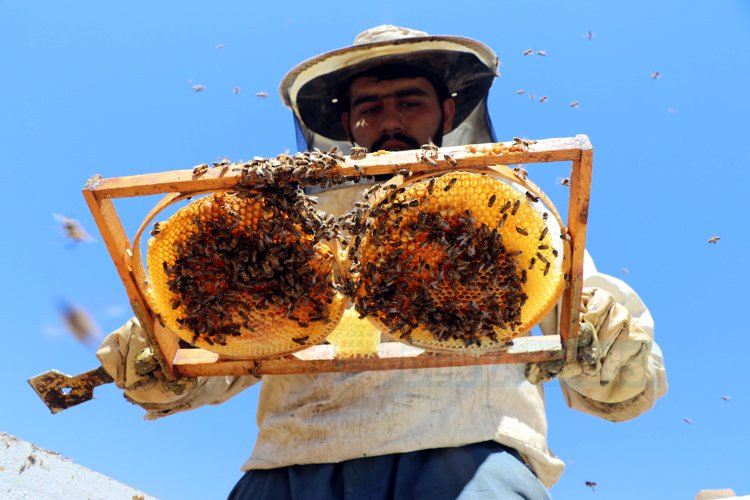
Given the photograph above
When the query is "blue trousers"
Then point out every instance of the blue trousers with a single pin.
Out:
(485, 470)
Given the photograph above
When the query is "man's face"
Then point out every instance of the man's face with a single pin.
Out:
(396, 115)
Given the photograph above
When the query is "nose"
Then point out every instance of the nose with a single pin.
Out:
(392, 118)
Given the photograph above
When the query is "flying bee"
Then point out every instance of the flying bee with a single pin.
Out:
(543, 98)
(358, 153)
(541, 53)
(430, 148)
(520, 92)
(196, 88)
(520, 173)
(565, 181)
(236, 90)
(528, 52)
(714, 239)
(262, 94)
(591, 484)
(589, 35)
(73, 229)
(655, 75)
(200, 169)
(574, 104)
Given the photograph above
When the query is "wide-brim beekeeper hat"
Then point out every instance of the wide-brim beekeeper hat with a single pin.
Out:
(315, 89)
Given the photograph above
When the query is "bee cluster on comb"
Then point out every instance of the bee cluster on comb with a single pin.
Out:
(241, 274)
(458, 261)
(450, 262)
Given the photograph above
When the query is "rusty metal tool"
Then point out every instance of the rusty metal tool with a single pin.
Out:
(60, 391)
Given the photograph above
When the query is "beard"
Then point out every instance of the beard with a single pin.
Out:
(409, 141)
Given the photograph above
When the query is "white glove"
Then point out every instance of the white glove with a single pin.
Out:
(128, 357)
(612, 367)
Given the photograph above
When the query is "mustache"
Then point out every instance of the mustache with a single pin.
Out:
(410, 141)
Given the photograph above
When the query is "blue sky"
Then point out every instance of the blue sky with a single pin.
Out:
(93, 87)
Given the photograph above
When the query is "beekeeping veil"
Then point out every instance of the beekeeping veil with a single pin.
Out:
(315, 89)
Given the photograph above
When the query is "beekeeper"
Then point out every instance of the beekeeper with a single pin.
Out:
(435, 433)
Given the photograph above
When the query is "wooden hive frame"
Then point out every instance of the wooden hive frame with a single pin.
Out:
(178, 362)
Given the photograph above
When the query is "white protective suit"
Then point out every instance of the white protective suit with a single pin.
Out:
(332, 417)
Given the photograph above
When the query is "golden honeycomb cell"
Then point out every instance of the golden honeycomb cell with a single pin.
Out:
(236, 275)
(354, 337)
(463, 261)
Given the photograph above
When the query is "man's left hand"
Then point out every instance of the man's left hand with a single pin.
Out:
(616, 352)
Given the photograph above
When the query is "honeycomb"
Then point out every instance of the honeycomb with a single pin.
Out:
(463, 261)
(240, 275)
(354, 337)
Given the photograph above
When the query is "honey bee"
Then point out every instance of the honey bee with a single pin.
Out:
(714, 239)
(531, 197)
(523, 143)
(196, 88)
(543, 98)
(516, 205)
(262, 94)
(449, 158)
(520, 92)
(520, 173)
(156, 230)
(541, 53)
(491, 200)
(522, 231)
(528, 52)
(431, 186)
(543, 234)
(725, 398)
(301, 340)
(358, 153)
(687, 420)
(200, 169)
(655, 75)
(591, 484)
(589, 35)
(73, 229)
(574, 104)
(236, 90)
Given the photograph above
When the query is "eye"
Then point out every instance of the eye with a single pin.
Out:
(411, 104)
(369, 110)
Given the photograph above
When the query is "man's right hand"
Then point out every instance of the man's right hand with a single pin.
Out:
(129, 358)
